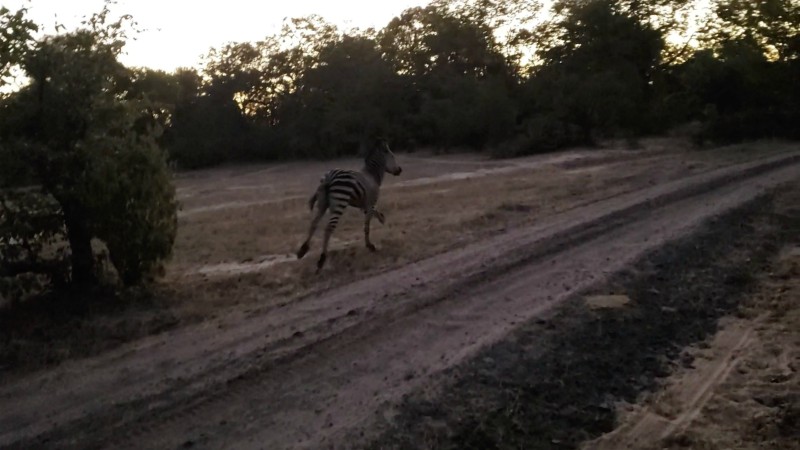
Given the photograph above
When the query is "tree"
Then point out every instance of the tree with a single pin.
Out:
(423, 40)
(79, 138)
(770, 25)
(350, 92)
(452, 74)
(15, 40)
(741, 85)
(596, 74)
(207, 126)
(246, 99)
(28, 223)
(461, 83)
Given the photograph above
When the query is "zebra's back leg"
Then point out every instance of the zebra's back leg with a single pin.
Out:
(336, 213)
(379, 215)
(323, 204)
(367, 218)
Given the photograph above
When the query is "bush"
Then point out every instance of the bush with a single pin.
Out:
(135, 212)
(93, 157)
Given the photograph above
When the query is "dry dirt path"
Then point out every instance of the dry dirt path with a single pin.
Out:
(742, 388)
(311, 373)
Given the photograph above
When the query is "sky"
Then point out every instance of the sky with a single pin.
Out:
(178, 32)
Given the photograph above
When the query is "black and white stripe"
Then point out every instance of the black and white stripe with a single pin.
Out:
(340, 188)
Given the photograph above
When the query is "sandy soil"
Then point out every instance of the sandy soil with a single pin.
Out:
(554, 382)
(742, 389)
(315, 372)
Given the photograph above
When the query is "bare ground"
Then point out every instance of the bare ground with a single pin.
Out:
(570, 379)
(739, 388)
(243, 240)
(329, 368)
(240, 226)
(314, 372)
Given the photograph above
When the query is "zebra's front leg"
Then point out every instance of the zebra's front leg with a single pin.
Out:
(367, 218)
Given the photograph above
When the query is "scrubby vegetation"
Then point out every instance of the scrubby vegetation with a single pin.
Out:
(507, 76)
(83, 181)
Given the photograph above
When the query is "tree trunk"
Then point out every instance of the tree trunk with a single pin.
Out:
(80, 243)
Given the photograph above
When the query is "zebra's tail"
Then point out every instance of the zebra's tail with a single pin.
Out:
(313, 200)
(322, 190)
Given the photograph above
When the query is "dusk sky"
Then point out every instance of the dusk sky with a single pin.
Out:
(178, 32)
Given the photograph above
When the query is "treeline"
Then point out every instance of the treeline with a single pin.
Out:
(484, 74)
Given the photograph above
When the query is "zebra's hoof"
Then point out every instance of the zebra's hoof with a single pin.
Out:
(371, 247)
(303, 250)
(321, 262)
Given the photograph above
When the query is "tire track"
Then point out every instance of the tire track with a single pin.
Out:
(169, 396)
(365, 369)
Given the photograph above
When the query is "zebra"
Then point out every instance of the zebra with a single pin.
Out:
(339, 188)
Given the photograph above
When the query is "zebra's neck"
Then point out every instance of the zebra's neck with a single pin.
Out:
(375, 169)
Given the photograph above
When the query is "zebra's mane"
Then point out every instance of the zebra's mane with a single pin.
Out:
(370, 154)
(370, 146)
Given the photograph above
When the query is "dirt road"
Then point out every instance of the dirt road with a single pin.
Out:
(740, 387)
(317, 372)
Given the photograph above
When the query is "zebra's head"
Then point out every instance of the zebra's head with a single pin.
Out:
(380, 159)
(390, 163)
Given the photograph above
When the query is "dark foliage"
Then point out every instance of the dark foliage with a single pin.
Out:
(445, 76)
(81, 163)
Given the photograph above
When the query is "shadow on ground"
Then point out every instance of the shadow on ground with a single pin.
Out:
(556, 382)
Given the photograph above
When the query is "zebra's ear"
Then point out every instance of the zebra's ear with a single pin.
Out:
(367, 146)
(381, 141)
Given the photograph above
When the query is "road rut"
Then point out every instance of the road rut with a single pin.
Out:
(313, 372)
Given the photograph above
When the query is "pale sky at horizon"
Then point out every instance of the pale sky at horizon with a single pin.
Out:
(179, 32)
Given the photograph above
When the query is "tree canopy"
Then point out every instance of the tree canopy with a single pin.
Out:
(510, 76)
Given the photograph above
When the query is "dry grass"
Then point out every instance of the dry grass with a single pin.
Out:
(421, 221)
